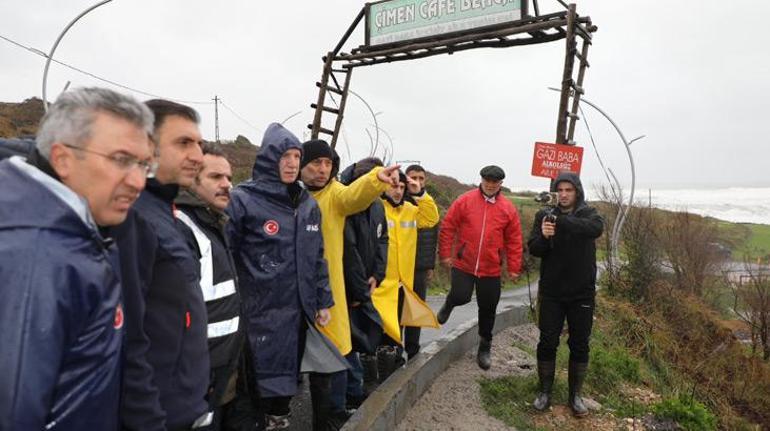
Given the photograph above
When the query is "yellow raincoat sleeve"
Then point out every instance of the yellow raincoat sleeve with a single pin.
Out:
(360, 193)
(427, 211)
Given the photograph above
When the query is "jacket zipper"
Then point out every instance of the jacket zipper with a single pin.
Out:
(481, 241)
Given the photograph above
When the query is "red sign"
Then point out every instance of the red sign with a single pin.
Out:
(551, 159)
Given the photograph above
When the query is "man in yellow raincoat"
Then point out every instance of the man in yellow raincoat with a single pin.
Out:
(404, 218)
(338, 201)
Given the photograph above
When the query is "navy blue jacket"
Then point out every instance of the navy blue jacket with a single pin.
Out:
(60, 314)
(166, 373)
(275, 235)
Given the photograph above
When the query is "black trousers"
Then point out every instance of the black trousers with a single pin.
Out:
(412, 334)
(580, 317)
(487, 297)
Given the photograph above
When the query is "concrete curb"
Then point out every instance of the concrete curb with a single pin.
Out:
(386, 406)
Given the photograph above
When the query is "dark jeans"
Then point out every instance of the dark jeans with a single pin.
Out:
(412, 334)
(487, 297)
(348, 383)
(580, 318)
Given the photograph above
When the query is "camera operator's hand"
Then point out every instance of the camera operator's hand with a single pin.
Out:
(548, 229)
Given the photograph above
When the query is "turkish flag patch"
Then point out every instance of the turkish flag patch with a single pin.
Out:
(271, 227)
(118, 322)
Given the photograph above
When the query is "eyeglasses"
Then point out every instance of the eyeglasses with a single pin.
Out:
(125, 162)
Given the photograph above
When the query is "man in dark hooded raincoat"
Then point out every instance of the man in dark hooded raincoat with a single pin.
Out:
(275, 235)
(563, 238)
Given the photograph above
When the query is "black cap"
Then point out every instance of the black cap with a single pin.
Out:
(315, 149)
(492, 173)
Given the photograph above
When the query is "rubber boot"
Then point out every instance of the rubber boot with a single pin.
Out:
(443, 314)
(484, 358)
(320, 388)
(577, 374)
(371, 376)
(386, 362)
(545, 373)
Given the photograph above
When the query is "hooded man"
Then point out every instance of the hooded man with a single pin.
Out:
(404, 219)
(276, 240)
(485, 227)
(61, 316)
(564, 239)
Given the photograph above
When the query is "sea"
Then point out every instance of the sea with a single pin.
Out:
(735, 204)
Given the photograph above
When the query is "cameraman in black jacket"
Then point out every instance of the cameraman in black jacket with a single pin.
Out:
(567, 285)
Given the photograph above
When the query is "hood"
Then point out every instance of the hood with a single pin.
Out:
(573, 179)
(347, 176)
(277, 140)
(26, 203)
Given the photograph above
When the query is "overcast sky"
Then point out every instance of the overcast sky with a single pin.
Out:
(693, 76)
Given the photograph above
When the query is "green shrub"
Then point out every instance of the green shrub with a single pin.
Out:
(688, 413)
(609, 367)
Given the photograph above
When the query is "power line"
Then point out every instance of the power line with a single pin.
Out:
(239, 117)
(99, 78)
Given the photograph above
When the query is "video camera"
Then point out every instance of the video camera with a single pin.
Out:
(550, 200)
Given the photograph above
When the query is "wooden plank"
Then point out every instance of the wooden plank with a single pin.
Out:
(448, 50)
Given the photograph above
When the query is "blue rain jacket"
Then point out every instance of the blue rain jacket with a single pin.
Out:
(61, 318)
(275, 235)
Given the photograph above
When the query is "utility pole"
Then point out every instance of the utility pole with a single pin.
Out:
(216, 118)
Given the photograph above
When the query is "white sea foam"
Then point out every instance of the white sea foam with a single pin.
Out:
(735, 204)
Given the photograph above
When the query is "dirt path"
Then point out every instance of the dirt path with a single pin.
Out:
(453, 402)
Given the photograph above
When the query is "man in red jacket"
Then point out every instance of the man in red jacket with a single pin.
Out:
(481, 226)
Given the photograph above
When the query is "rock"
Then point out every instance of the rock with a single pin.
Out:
(591, 404)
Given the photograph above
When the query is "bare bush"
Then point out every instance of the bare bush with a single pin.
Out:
(751, 292)
(690, 243)
(641, 245)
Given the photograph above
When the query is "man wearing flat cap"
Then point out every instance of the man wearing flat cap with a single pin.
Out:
(480, 228)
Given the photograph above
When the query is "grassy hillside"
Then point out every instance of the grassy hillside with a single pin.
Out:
(668, 360)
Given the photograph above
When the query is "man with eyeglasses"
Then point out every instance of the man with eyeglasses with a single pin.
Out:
(61, 317)
(166, 367)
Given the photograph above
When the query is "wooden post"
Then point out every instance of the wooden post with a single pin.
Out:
(321, 96)
(566, 83)
(578, 94)
(341, 113)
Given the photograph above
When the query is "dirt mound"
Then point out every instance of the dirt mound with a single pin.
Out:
(20, 119)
